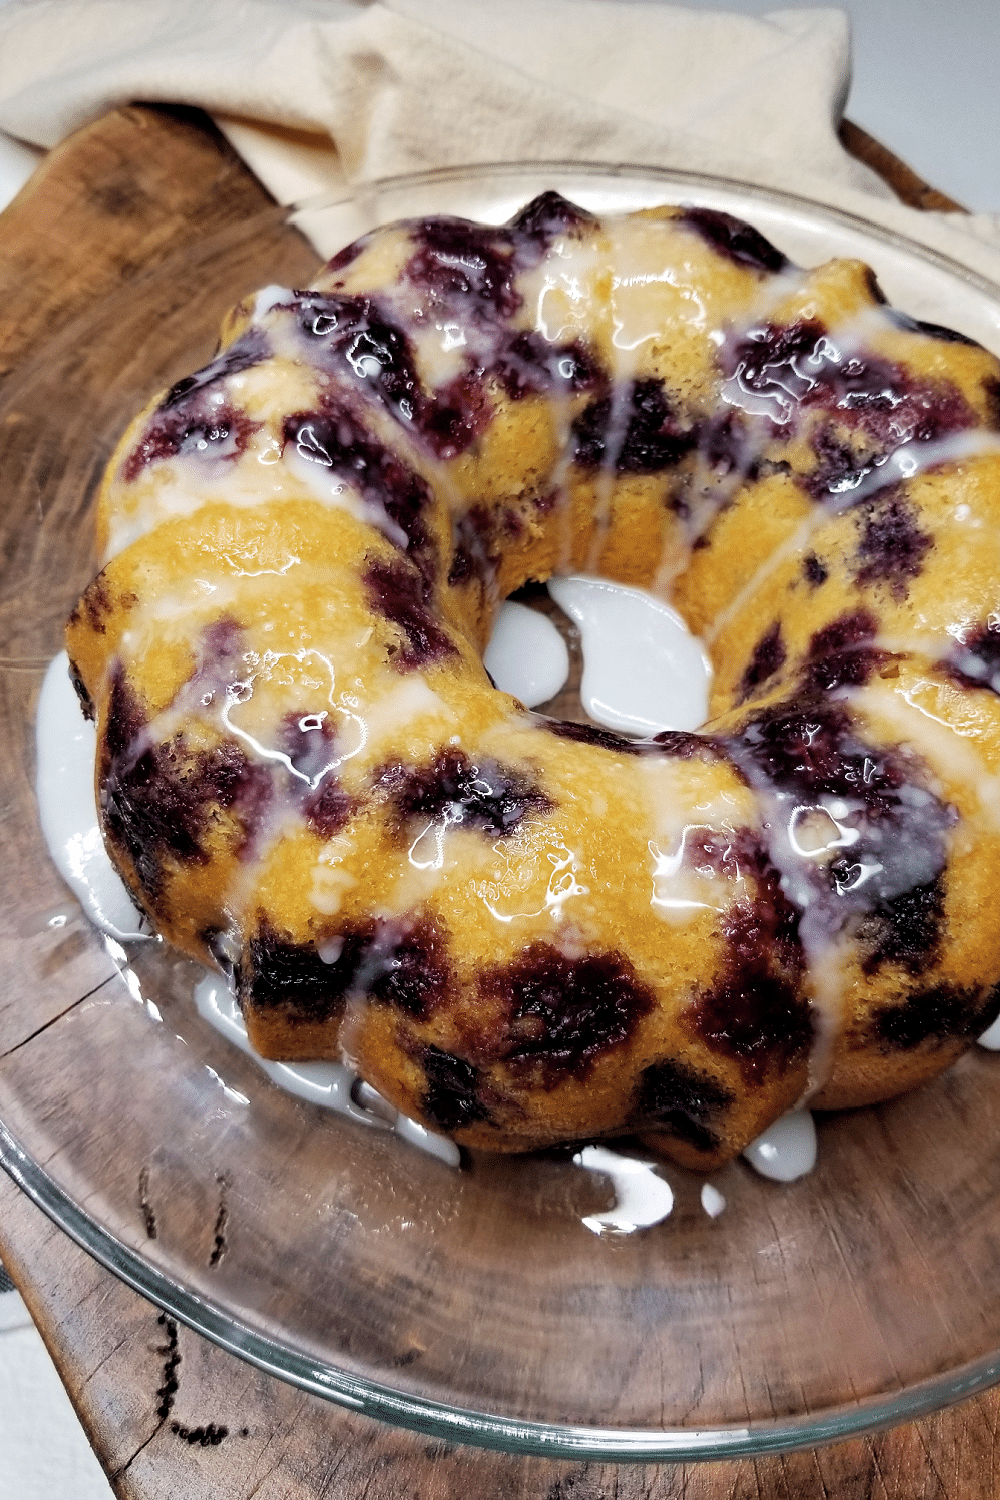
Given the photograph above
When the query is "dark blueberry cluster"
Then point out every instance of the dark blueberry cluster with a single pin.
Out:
(975, 662)
(528, 363)
(196, 427)
(683, 1102)
(638, 433)
(275, 973)
(756, 1011)
(732, 238)
(891, 546)
(767, 658)
(888, 881)
(561, 1014)
(940, 1013)
(841, 654)
(404, 966)
(192, 420)
(488, 797)
(159, 801)
(334, 439)
(467, 267)
(875, 405)
(451, 1098)
(548, 216)
(397, 591)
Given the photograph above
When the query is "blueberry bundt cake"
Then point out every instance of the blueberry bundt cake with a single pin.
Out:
(524, 931)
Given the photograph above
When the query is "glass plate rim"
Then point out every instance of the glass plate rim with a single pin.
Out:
(484, 1429)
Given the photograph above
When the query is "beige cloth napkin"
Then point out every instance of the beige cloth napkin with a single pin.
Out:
(317, 94)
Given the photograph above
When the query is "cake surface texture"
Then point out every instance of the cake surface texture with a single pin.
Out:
(523, 931)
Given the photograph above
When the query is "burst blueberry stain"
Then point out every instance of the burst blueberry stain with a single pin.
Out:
(96, 605)
(399, 593)
(725, 445)
(768, 658)
(590, 734)
(357, 339)
(561, 1014)
(548, 216)
(488, 797)
(941, 1013)
(160, 801)
(756, 1012)
(643, 435)
(197, 426)
(413, 974)
(676, 743)
(80, 689)
(336, 441)
(840, 654)
(905, 930)
(466, 265)
(732, 238)
(874, 406)
(683, 1102)
(975, 662)
(450, 1100)
(891, 546)
(456, 416)
(354, 337)
(276, 972)
(815, 571)
(195, 418)
(530, 364)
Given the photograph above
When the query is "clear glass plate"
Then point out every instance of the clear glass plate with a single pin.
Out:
(473, 1304)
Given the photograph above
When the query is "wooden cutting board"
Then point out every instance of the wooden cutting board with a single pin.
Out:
(169, 1414)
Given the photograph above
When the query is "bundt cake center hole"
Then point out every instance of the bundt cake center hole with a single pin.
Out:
(630, 663)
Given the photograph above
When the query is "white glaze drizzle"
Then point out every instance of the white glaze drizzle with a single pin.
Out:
(331, 1084)
(642, 1197)
(526, 655)
(712, 1200)
(643, 670)
(785, 1150)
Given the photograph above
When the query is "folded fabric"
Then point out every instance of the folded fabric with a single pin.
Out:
(320, 94)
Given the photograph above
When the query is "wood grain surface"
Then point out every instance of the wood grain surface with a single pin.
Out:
(168, 1413)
